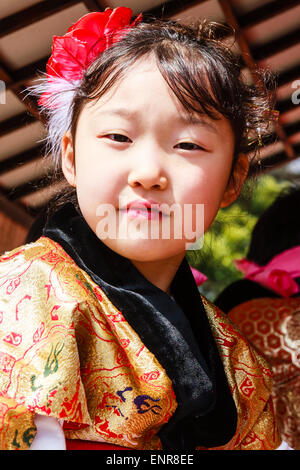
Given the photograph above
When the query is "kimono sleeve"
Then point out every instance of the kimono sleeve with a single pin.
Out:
(17, 427)
(39, 359)
(250, 381)
(264, 434)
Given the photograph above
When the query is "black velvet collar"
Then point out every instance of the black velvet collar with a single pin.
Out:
(176, 332)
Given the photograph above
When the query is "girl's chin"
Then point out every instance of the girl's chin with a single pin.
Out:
(146, 249)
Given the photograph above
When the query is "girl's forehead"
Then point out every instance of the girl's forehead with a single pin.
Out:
(141, 83)
(143, 91)
(142, 73)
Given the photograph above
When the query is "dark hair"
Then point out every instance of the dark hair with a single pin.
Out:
(278, 229)
(202, 72)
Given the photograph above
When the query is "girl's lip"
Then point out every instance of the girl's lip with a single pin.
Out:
(144, 213)
(146, 208)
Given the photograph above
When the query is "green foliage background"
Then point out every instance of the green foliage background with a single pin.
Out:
(229, 236)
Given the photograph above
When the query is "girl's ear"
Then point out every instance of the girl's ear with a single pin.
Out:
(68, 158)
(236, 181)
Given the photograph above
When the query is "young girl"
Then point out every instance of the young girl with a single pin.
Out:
(106, 341)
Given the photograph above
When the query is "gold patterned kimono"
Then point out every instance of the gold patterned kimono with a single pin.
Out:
(67, 351)
(272, 326)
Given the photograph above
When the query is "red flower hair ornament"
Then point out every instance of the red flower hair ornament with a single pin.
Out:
(82, 44)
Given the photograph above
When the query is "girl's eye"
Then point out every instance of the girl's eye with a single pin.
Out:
(118, 137)
(189, 146)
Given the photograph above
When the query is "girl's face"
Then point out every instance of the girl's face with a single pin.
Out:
(136, 143)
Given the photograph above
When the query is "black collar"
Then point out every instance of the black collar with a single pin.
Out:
(176, 332)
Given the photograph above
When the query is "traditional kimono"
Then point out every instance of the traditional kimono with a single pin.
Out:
(272, 325)
(86, 339)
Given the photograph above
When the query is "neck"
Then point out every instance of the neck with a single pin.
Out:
(160, 272)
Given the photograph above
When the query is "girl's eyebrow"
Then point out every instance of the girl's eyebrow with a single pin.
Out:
(123, 112)
(181, 119)
(193, 120)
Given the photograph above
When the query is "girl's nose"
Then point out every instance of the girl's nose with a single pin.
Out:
(149, 174)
